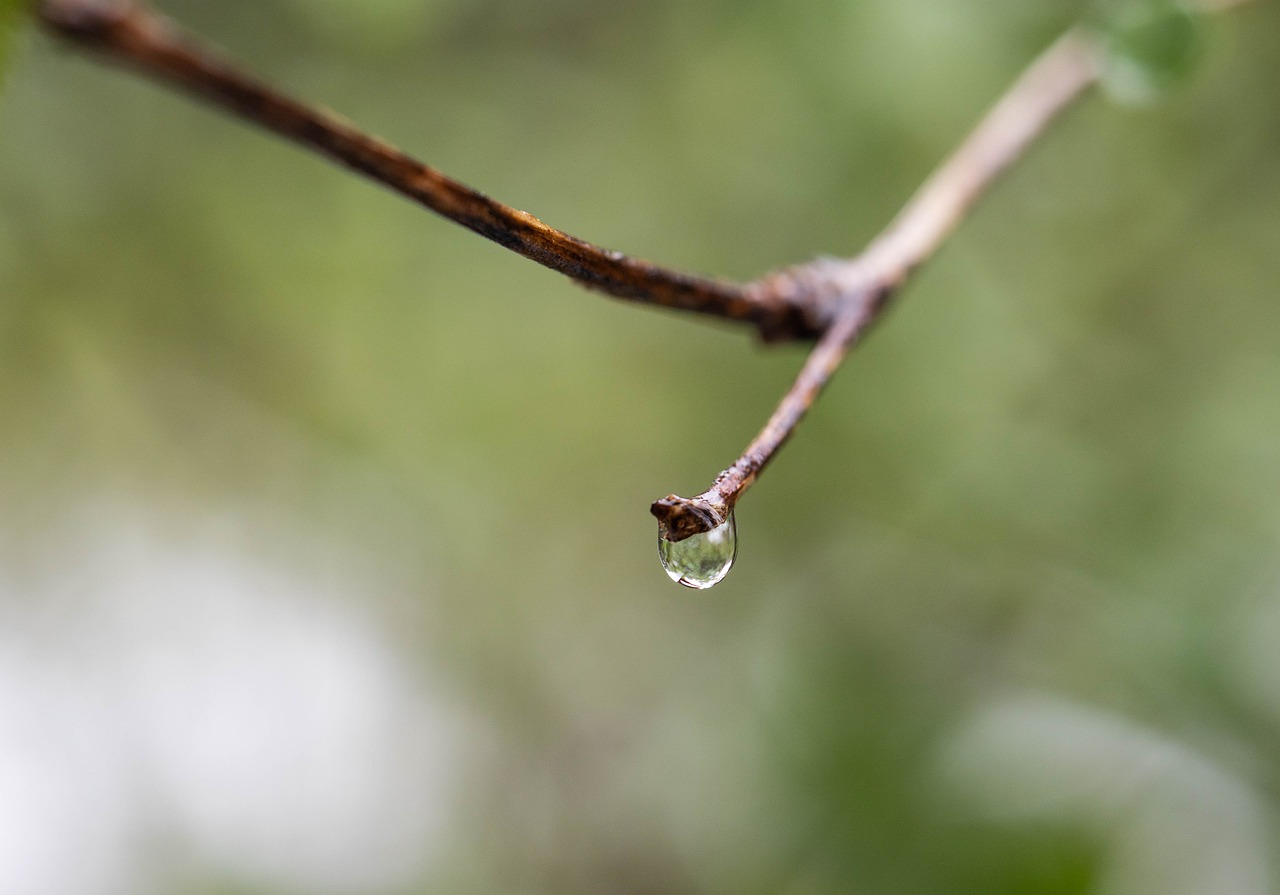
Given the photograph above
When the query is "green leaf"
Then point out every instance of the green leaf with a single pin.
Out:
(1152, 47)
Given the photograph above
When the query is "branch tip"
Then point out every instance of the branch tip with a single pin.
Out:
(683, 517)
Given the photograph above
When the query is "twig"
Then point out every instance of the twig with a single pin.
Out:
(681, 517)
(865, 284)
(834, 301)
(138, 36)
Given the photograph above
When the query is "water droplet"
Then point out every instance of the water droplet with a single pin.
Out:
(701, 560)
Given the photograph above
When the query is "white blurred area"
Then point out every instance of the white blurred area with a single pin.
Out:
(179, 708)
(1170, 821)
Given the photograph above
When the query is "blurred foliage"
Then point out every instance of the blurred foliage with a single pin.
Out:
(1152, 46)
(1029, 537)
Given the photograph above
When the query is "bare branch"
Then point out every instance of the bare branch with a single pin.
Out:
(831, 299)
(134, 34)
(1045, 89)
(682, 517)
(863, 286)
(860, 289)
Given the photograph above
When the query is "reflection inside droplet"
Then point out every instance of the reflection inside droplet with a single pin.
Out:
(700, 560)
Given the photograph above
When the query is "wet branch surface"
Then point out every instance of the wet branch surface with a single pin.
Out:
(832, 301)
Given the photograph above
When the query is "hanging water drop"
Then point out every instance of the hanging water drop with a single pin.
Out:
(700, 560)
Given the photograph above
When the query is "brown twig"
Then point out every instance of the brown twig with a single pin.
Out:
(833, 301)
(860, 289)
(132, 33)
(864, 285)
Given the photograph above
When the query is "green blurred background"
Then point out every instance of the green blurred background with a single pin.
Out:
(325, 560)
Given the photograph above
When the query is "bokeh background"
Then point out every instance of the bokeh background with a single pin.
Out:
(325, 560)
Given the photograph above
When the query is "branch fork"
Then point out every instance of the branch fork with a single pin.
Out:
(829, 300)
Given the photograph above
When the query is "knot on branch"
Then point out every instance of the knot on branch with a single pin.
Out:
(815, 291)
